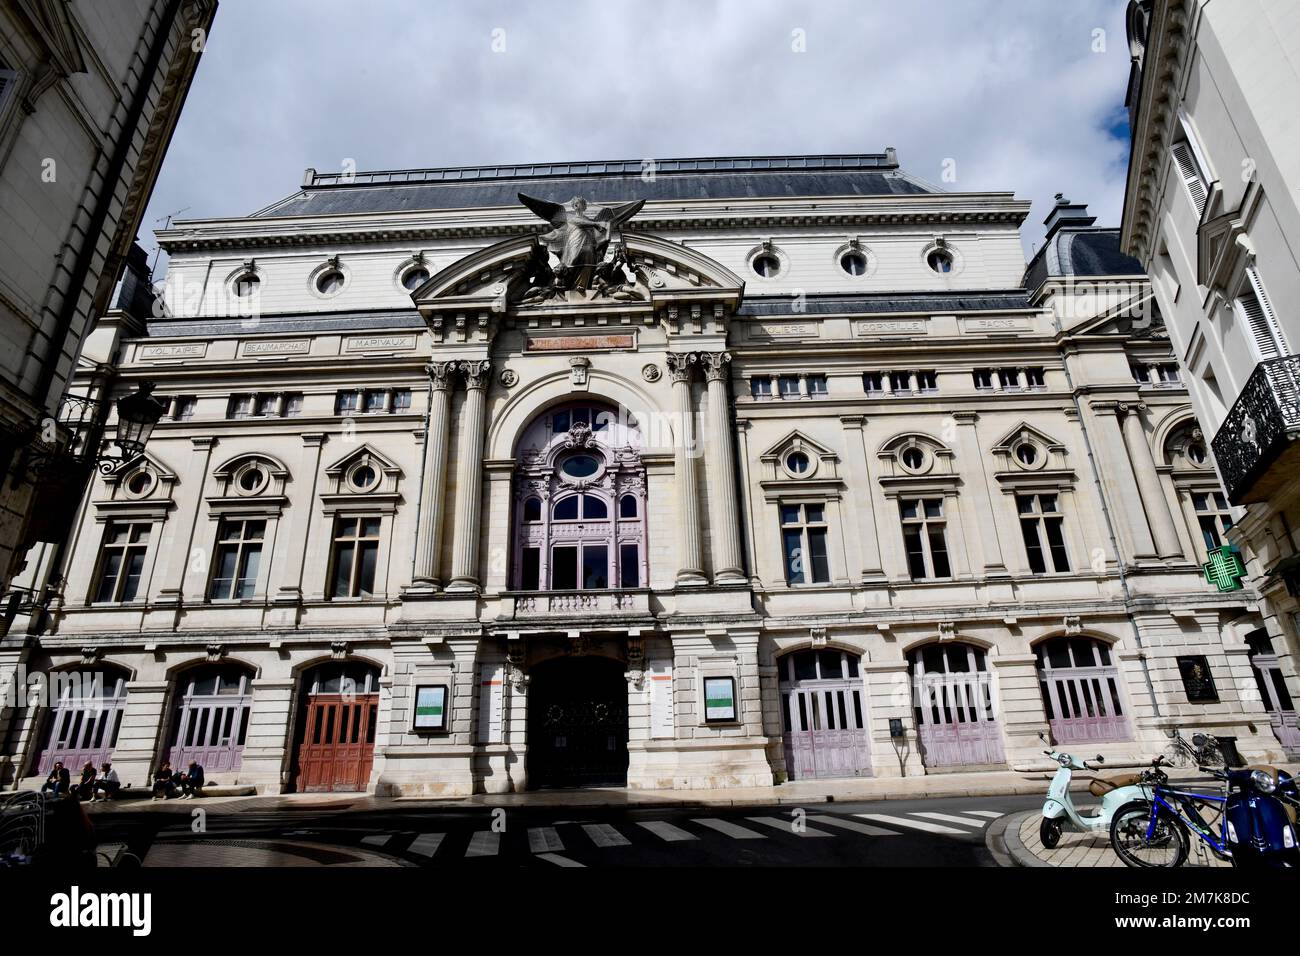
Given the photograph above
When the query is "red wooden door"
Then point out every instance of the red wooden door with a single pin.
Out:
(338, 744)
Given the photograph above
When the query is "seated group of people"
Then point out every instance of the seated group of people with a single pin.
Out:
(167, 782)
(101, 784)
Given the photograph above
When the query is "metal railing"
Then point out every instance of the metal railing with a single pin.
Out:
(1262, 423)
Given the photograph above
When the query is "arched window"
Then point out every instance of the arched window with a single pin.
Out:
(85, 716)
(955, 705)
(823, 715)
(582, 458)
(210, 717)
(1080, 687)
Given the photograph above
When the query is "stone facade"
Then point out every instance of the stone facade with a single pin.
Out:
(1212, 214)
(89, 96)
(834, 527)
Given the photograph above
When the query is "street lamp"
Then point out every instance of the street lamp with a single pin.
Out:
(137, 414)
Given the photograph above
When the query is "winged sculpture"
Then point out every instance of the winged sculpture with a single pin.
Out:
(579, 239)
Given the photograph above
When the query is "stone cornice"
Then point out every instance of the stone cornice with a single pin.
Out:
(942, 210)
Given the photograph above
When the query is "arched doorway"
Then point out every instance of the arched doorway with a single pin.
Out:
(577, 723)
(823, 715)
(1080, 687)
(210, 717)
(338, 714)
(1273, 692)
(954, 705)
(82, 726)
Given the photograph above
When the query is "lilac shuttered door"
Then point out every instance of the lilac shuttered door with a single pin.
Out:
(1081, 691)
(823, 715)
(955, 707)
(1273, 692)
(84, 729)
(211, 732)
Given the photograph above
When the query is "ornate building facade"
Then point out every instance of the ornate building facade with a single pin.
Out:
(735, 471)
(1211, 211)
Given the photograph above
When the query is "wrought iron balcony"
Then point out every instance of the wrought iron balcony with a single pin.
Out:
(1255, 447)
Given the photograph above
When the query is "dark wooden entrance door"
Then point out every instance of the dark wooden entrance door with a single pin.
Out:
(577, 723)
(338, 745)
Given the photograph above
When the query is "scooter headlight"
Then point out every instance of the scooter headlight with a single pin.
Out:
(1232, 833)
(1263, 781)
(1288, 837)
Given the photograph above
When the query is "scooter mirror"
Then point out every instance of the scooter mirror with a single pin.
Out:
(1099, 759)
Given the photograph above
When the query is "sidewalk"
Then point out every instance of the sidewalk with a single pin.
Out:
(1076, 849)
(799, 793)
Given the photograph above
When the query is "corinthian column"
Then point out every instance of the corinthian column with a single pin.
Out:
(690, 571)
(434, 488)
(1148, 483)
(469, 479)
(724, 520)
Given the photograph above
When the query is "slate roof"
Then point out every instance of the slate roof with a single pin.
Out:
(886, 302)
(1080, 252)
(755, 177)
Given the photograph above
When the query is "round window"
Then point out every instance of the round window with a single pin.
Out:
(139, 484)
(415, 278)
(363, 476)
(913, 459)
(797, 462)
(854, 263)
(940, 261)
(766, 265)
(252, 479)
(1196, 453)
(246, 285)
(580, 466)
(329, 282)
(1026, 454)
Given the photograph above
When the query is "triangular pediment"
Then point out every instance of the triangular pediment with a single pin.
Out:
(1027, 432)
(51, 22)
(798, 441)
(366, 453)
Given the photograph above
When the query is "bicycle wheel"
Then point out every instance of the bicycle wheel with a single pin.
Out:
(1166, 847)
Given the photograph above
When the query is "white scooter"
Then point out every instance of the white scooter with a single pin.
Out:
(1059, 812)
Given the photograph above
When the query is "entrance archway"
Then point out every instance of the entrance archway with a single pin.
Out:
(337, 718)
(955, 706)
(577, 723)
(823, 715)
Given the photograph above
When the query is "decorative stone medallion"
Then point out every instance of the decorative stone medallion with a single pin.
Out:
(651, 373)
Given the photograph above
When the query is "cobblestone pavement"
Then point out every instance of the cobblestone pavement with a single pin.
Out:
(1081, 849)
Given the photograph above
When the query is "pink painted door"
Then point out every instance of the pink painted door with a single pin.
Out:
(1080, 686)
(823, 713)
(955, 707)
(1273, 692)
(211, 731)
(83, 729)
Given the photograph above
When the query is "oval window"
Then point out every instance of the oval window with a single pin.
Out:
(854, 263)
(797, 462)
(580, 466)
(939, 261)
(329, 282)
(252, 479)
(767, 265)
(140, 483)
(913, 459)
(1027, 453)
(246, 285)
(1196, 453)
(415, 278)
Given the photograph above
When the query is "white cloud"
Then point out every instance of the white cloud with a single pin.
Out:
(1012, 90)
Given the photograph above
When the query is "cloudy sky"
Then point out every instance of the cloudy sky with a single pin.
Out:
(1020, 95)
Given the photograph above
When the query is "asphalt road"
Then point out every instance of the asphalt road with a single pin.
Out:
(942, 832)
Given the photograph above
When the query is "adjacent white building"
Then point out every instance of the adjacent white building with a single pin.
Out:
(1212, 213)
(806, 475)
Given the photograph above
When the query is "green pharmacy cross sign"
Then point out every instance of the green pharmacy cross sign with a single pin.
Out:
(1225, 569)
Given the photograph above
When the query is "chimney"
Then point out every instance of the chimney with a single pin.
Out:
(1067, 213)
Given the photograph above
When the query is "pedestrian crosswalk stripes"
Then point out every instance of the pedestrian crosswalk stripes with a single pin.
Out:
(602, 834)
(910, 823)
(667, 831)
(426, 844)
(864, 828)
(548, 842)
(951, 818)
(788, 825)
(544, 840)
(733, 830)
(484, 843)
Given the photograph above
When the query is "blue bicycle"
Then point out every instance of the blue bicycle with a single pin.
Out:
(1154, 832)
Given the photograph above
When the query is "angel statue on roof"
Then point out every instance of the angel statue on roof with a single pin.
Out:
(578, 240)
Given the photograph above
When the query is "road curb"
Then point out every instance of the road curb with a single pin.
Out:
(1015, 847)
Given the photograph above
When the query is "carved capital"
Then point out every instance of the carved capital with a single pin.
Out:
(715, 365)
(679, 366)
(476, 374)
(440, 375)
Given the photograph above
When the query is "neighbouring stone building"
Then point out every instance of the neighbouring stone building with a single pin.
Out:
(1213, 214)
(89, 95)
(751, 469)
